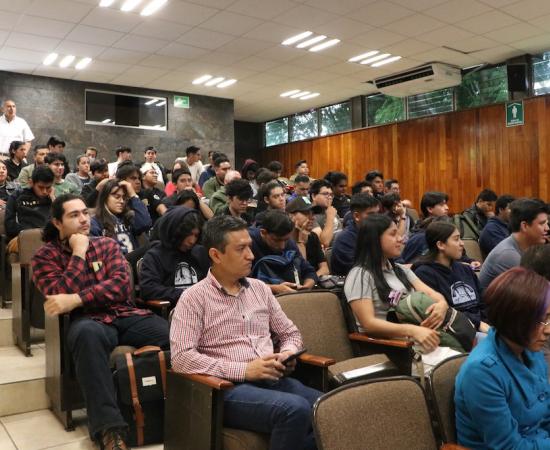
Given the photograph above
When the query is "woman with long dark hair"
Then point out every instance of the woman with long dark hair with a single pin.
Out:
(375, 281)
(120, 215)
(442, 270)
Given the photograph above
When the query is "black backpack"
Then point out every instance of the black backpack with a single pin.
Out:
(140, 383)
(274, 269)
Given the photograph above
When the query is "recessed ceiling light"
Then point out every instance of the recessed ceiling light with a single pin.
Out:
(162, 103)
(106, 121)
(287, 93)
(307, 97)
(66, 61)
(50, 59)
(298, 37)
(202, 79)
(300, 94)
(227, 83)
(375, 58)
(106, 3)
(150, 102)
(214, 81)
(386, 61)
(83, 63)
(129, 5)
(153, 7)
(363, 56)
(324, 45)
(311, 41)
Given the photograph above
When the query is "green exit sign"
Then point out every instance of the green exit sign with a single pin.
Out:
(181, 101)
(514, 114)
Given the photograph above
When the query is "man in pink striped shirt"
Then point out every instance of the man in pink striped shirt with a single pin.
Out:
(224, 326)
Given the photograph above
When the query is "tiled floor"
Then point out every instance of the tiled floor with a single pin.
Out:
(40, 430)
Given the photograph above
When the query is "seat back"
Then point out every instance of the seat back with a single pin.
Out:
(380, 414)
(318, 316)
(2, 225)
(442, 391)
(471, 246)
(29, 242)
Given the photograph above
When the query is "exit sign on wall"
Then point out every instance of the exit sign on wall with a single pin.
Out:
(181, 101)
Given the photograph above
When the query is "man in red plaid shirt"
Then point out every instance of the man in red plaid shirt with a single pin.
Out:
(87, 277)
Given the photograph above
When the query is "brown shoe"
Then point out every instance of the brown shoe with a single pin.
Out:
(113, 440)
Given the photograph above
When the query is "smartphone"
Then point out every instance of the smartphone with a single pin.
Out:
(294, 356)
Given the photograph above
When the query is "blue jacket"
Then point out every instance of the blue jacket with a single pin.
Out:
(494, 232)
(343, 250)
(500, 401)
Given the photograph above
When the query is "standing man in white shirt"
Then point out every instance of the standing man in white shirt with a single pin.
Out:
(122, 154)
(193, 161)
(12, 128)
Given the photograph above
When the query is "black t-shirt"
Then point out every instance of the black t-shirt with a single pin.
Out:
(152, 198)
(314, 251)
(13, 169)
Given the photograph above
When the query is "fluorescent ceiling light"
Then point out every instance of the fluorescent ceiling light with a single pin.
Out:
(363, 56)
(298, 37)
(324, 45)
(106, 121)
(375, 58)
(202, 79)
(287, 93)
(106, 3)
(307, 97)
(83, 63)
(227, 83)
(66, 62)
(214, 81)
(129, 5)
(152, 7)
(386, 61)
(150, 102)
(311, 41)
(50, 59)
(300, 94)
(162, 103)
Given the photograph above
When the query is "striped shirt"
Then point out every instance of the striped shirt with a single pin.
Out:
(216, 333)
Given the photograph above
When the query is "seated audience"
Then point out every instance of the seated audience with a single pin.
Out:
(100, 175)
(375, 276)
(307, 242)
(376, 182)
(393, 207)
(442, 270)
(472, 220)
(326, 219)
(194, 163)
(120, 215)
(81, 177)
(56, 162)
(301, 188)
(150, 157)
(122, 154)
(91, 153)
(209, 336)
(274, 237)
(341, 200)
(249, 172)
(128, 171)
(501, 391)
(6, 187)
(176, 262)
(361, 186)
(496, 229)
(39, 154)
(529, 226)
(345, 243)
(150, 194)
(391, 186)
(16, 160)
(170, 187)
(209, 171)
(239, 193)
(301, 169)
(184, 183)
(272, 198)
(221, 166)
(57, 145)
(87, 277)
(277, 168)
(537, 258)
(219, 198)
(30, 207)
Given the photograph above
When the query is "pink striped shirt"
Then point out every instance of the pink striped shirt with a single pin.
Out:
(215, 333)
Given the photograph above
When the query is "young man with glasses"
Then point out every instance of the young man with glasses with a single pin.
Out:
(326, 218)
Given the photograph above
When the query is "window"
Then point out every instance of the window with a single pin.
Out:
(335, 118)
(541, 74)
(125, 110)
(276, 132)
(384, 109)
(435, 102)
(304, 126)
(482, 87)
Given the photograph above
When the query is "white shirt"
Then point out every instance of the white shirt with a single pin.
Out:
(196, 170)
(16, 130)
(112, 168)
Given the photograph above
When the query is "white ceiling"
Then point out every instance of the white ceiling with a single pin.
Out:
(241, 39)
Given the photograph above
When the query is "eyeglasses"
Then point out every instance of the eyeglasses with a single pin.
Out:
(545, 324)
(327, 194)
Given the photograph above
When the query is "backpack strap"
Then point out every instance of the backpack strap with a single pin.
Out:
(140, 419)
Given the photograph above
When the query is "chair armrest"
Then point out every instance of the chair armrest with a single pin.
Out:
(452, 447)
(157, 304)
(208, 380)
(362, 337)
(314, 360)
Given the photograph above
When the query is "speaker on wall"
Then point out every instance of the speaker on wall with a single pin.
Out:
(517, 77)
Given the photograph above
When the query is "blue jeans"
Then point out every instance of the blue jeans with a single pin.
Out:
(281, 408)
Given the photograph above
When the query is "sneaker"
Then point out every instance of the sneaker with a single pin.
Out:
(113, 440)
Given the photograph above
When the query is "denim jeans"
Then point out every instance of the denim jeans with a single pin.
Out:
(91, 343)
(281, 408)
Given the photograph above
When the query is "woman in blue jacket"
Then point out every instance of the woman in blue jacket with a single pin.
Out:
(502, 395)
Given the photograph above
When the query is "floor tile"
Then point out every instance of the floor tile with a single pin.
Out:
(17, 367)
(5, 441)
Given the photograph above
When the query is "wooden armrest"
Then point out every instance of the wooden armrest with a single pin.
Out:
(362, 337)
(207, 380)
(314, 360)
(452, 447)
(158, 304)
